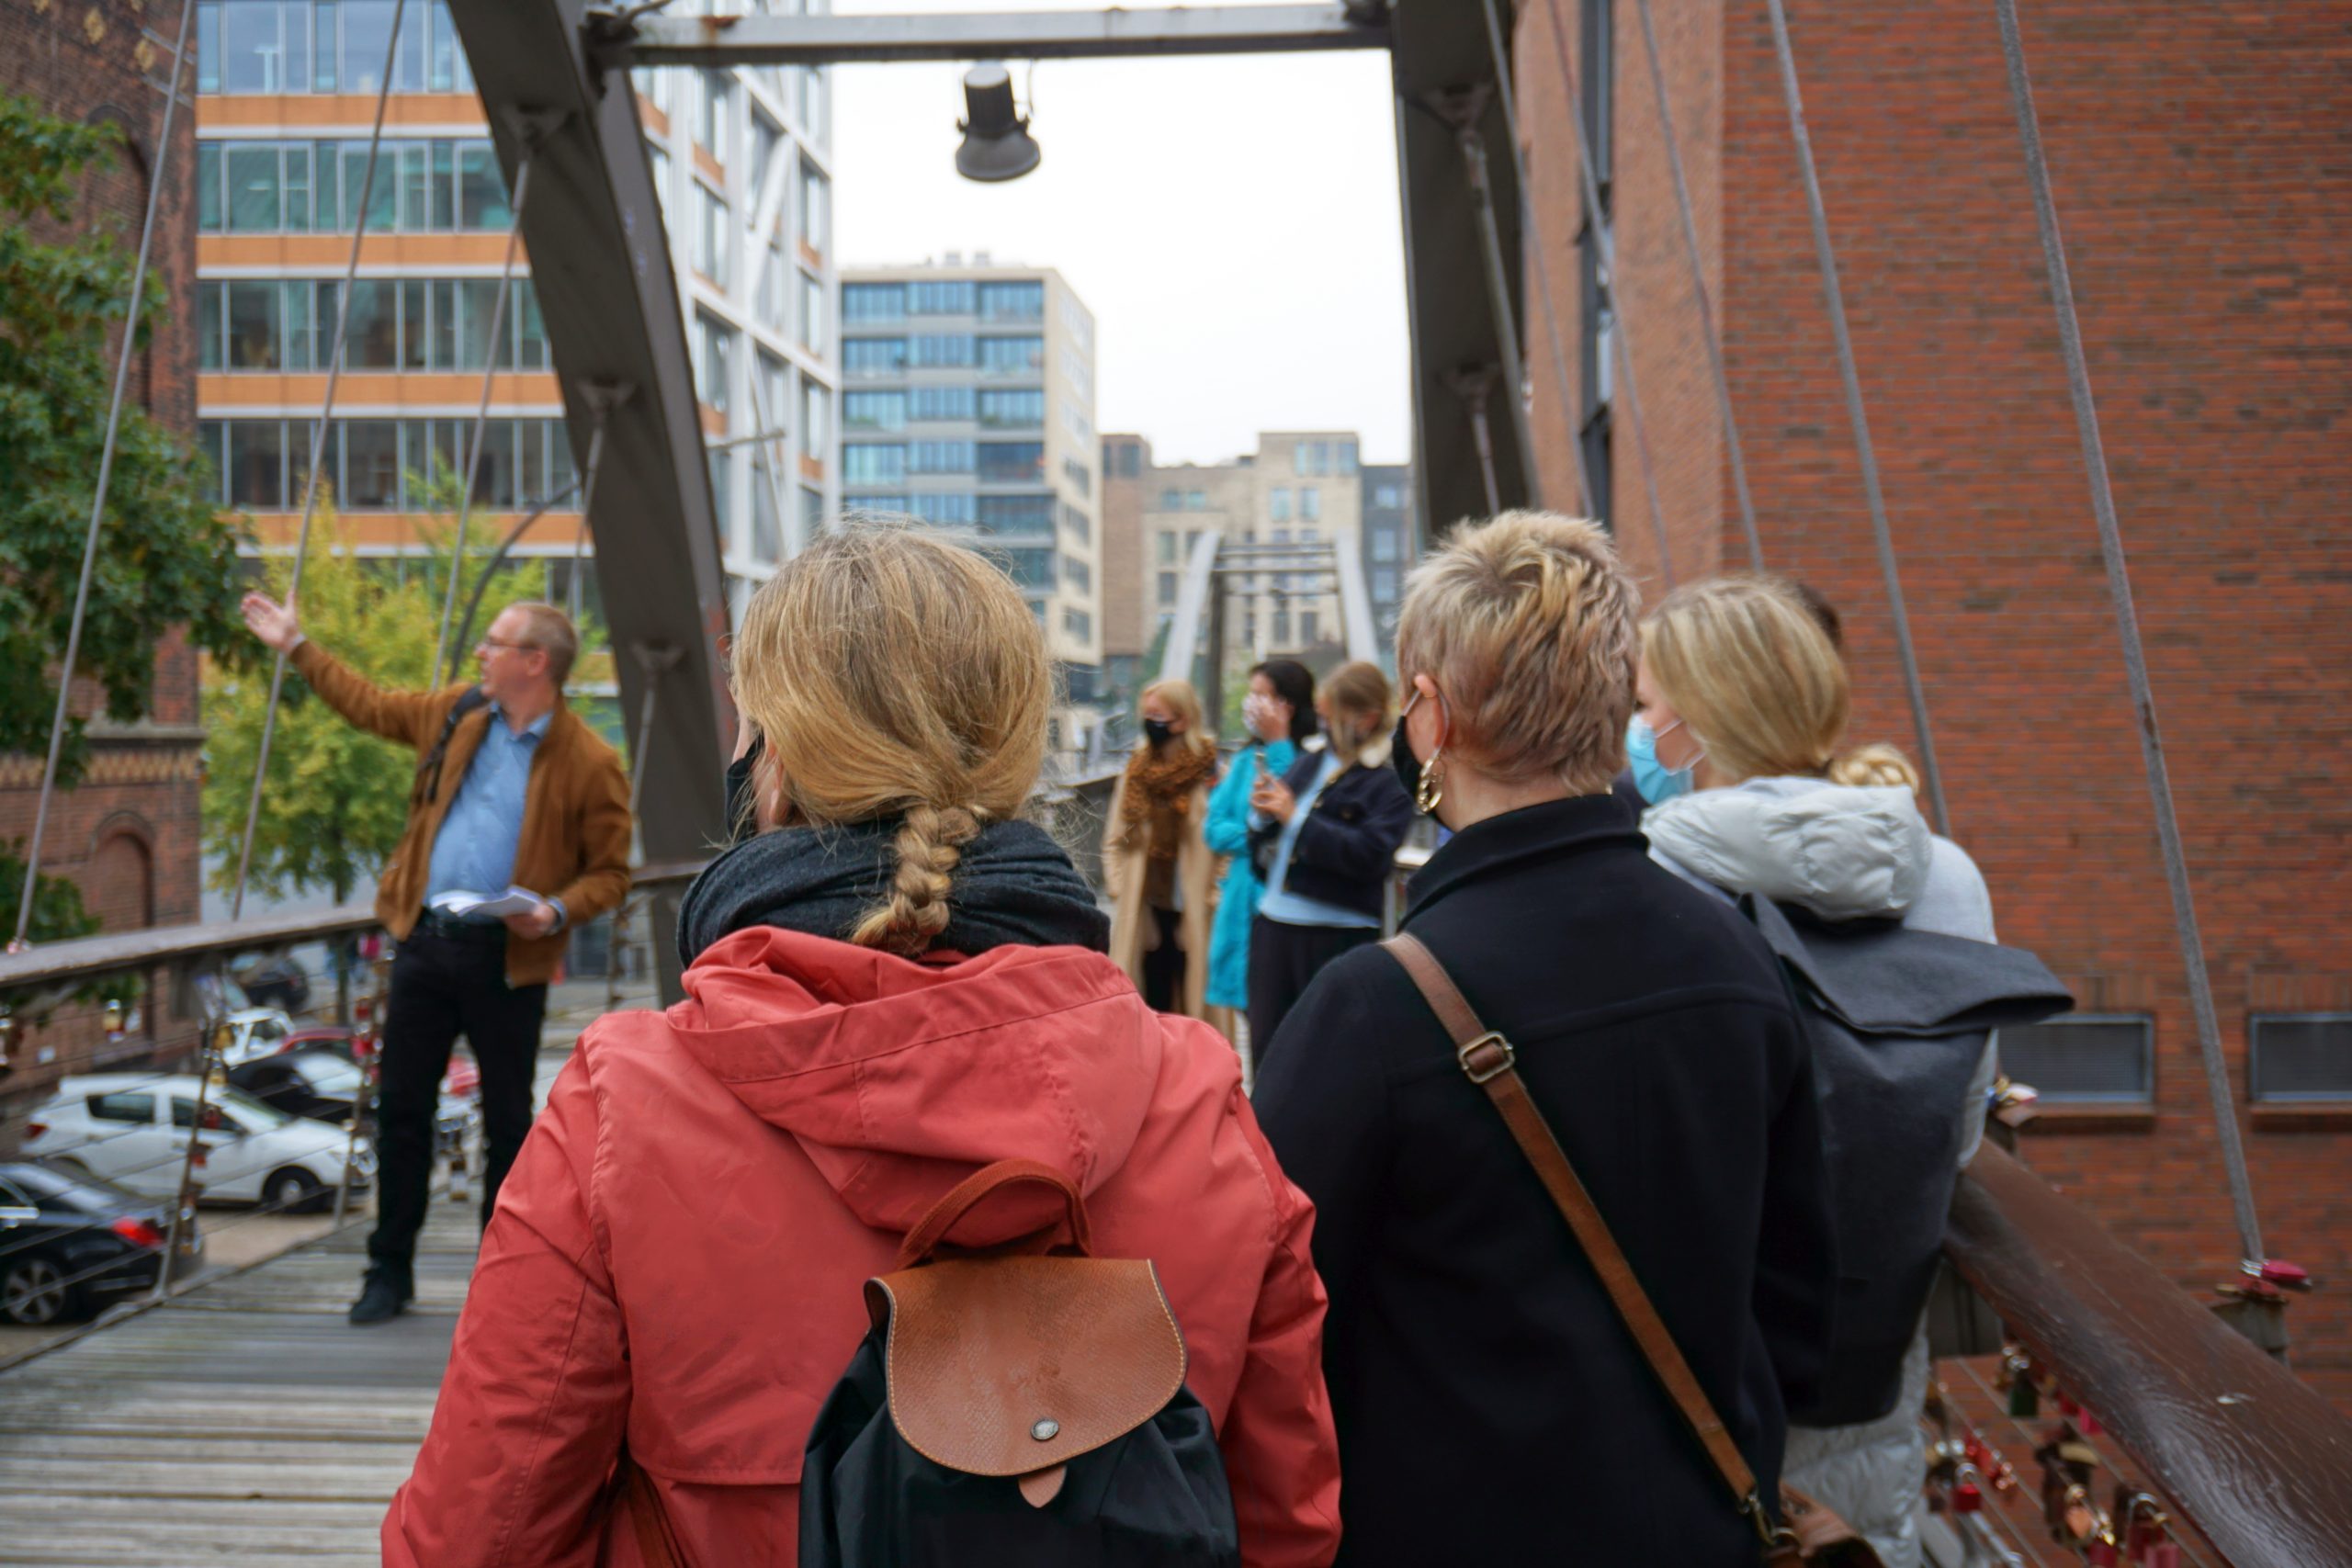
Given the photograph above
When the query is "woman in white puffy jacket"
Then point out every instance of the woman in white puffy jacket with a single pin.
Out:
(1741, 703)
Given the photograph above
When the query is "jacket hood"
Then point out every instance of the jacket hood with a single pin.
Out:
(1842, 853)
(898, 1078)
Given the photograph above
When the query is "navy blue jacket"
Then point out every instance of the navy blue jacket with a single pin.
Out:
(1491, 1408)
(1347, 846)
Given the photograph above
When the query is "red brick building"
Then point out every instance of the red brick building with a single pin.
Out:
(129, 834)
(2197, 156)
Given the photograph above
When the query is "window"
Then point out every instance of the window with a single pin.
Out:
(1017, 514)
(1311, 458)
(1078, 574)
(1171, 500)
(1077, 622)
(299, 187)
(816, 209)
(1168, 581)
(1030, 566)
(942, 402)
(254, 188)
(134, 1108)
(1076, 524)
(1013, 301)
(371, 464)
(714, 112)
(874, 355)
(866, 463)
(722, 488)
(938, 298)
(812, 315)
(1081, 478)
(1281, 627)
(716, 340)
(1012, 462)
(1278, 504)
(1007, 409)
(952, 510)
(2085, 1058)
(939, 458)
(874, 410)
(295, 46)
(815, 423)
(1310, 502)
(714, 235)
(940, 351)
(1384, 544)
(482, 188)
(1307, 627)
(1167, 548)
(1011, 356)
(256, 467)
(1388, 497)
(1596, 53)
(812, 100)
(1196, 501)
(1347, 459)
(873, 301)
(2296, 1056)
(766, 136)
(1383, 584)
(812, 513)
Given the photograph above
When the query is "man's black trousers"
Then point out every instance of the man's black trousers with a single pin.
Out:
(1282, 959)
(444, 986)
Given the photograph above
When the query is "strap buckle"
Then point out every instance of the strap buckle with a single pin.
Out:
(1488, 1056)
(1777, 1538)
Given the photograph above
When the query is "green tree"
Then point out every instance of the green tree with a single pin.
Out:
(336, 797)
(168, 557)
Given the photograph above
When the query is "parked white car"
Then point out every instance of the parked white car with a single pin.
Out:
(131, 1130)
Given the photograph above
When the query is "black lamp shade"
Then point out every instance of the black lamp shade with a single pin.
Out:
(997, 144)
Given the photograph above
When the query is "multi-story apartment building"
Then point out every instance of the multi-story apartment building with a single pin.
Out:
(968, 402)
(1388, 545)
(1297, 488)
(287, 93)
(1127, 623)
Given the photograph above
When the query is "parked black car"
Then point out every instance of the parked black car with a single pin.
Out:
(276, 982)
(69, 1243)
(320, 1084)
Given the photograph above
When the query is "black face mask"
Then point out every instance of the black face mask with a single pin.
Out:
(1157, 731)
(740, 824)
(1401, 758)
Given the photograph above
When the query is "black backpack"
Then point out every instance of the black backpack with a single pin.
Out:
(1025, 1406)
(1897, 1020)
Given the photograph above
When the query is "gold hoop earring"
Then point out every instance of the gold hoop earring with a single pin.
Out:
(1431, 791)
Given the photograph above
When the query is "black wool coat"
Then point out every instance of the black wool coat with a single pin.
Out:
(1347, 846)
(1491, 1406)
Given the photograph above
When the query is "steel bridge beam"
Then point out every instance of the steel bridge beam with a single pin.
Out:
(714, 41)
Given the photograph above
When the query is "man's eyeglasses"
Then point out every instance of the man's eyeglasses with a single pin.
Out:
(515, 647)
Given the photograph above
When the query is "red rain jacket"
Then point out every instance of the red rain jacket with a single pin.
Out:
(677, 1255)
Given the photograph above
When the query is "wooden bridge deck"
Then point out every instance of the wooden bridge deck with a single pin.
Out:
(243, 1422)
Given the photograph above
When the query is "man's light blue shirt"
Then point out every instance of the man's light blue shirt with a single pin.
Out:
(474, 851)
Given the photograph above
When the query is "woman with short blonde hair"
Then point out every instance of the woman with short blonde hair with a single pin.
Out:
(1651, 1029)
(892, 984)
(1156, 861)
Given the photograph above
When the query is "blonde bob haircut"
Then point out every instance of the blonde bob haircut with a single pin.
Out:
(896, 676)
(1357, 694)
(1753, 674)
(1525, 623)
(1184, 703)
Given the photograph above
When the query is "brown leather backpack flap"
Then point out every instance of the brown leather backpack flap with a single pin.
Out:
(1007, 1366)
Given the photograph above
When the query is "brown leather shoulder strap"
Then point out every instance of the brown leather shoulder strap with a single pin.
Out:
(1488, 1061)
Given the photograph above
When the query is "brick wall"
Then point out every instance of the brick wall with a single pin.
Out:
(2207, 206)
(130, 836)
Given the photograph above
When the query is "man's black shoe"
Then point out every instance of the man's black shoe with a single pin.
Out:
(381, 1298)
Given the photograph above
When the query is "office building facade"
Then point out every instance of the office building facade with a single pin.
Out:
(1389, 544)
(287, 93)
(967, 402)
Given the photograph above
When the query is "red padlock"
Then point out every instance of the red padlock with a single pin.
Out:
(2163, 1554)
(2102, 1554)
(1968, 1498)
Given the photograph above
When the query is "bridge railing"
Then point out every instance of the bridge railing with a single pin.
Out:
(2228, 1440)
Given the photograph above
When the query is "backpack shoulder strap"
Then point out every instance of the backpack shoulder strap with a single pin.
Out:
(1488, 1061)
(473, 699)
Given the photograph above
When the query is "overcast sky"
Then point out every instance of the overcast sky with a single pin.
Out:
(1231, 221)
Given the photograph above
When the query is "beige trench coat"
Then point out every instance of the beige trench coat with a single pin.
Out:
(1131, 924)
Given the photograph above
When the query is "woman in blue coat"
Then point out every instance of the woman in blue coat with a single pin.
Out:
(1280, 714)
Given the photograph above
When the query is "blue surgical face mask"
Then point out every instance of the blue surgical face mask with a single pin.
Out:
(1656, 780)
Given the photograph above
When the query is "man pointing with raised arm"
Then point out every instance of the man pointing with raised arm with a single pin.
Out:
(513, 792)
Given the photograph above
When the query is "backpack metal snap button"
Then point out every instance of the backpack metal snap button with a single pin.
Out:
(1044, 1431)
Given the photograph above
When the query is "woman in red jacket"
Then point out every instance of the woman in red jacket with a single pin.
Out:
(892, 984)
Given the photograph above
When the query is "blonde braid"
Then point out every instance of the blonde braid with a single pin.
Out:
(930, 845)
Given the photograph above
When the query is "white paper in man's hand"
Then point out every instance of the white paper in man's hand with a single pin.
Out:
(486, 906)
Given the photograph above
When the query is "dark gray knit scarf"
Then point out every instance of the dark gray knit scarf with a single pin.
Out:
(1013, 887)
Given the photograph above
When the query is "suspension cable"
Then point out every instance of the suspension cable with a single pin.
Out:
(1568, 405)
(481, 420)
(1732, 449)
(318, 460)
(1605, 243)
(2127, 626)
(1834, 301)
(155, 173)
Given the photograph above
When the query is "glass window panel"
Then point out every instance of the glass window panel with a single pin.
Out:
(495, 471)
(816, 209)
(253, 326)
(443, 189)
(812, 315)
(371, 338)
(872, 301)
(1017, 514)
(1013, 301)
(211, 347)
(874, 355)
(207, 49)
(940, 297)
(326, 45)
(812, 513)
(207, 187)
(309, 304)
(874, 463)
(765, 139)
(414, 321)
(482, 188)
(294, 28)
(1017, 462)
(476, 298)
(1003, 409)
(1011, 356)
(371, 464)
(955, 509)
(296, 187)
(942, 402)
(257, 464)
(531, 327)
(383, 196)
(441, 49)
(415, 165)
(939, 458)
(251, 52)
(560, 472)
(367, 31)
(816, 416)
(874, 410)
(210, 434)
(1310, 502)
(408, 68)
(252, 187)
